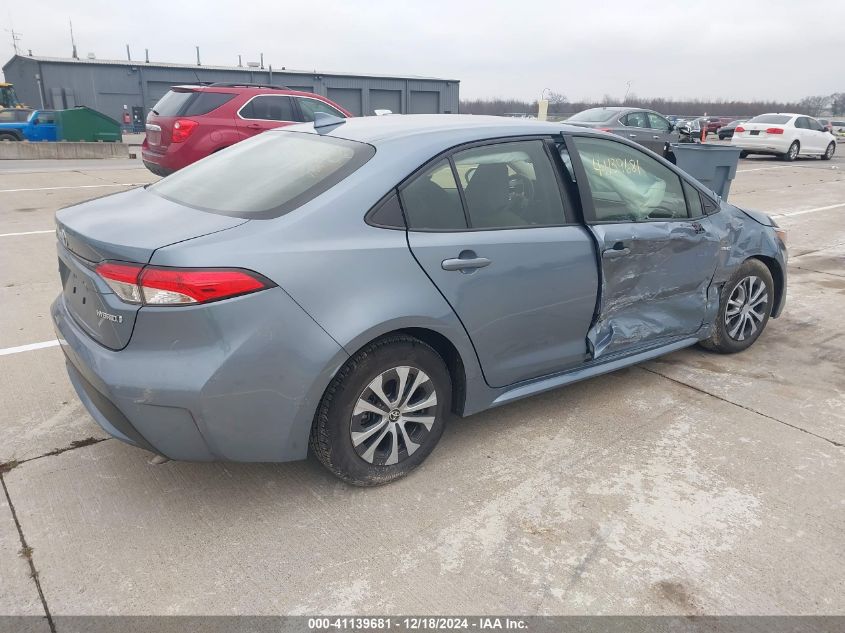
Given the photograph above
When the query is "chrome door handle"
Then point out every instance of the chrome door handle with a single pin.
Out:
(612, 253)
(470, 263)
(633, 135)
(655, 136)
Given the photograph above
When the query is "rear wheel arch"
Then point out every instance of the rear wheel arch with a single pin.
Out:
(10, 135)
(444, 348)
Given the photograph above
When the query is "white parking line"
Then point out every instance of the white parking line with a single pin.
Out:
(742, 171)
(28, 348)
(121, 184)
(26, 233)
(792, 213)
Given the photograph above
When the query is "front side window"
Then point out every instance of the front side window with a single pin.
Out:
(310, 107)
(268, 108)
(696, 209)
(815, 125)
(432, 202)
(626, 185)
(657, 122)
(266, 176)
(509, 185)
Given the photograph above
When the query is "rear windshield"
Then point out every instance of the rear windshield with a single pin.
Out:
(191, 103)
(593, 115)
(266, 176)
(771, 118)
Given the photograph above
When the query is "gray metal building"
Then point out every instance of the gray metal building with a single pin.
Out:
(109, 85)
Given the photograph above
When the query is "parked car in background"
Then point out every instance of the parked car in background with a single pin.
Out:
(785, 135)
(351, 284)
(727, 130)
(826, 124)
(191, 122)
(38, 125)
(838, 126)
(646, 127)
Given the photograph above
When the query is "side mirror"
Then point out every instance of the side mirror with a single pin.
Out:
(35, 121)
(684, 129)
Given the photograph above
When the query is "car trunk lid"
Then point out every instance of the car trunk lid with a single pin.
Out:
(126, 227)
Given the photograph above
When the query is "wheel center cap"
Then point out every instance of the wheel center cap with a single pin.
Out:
(394, 415)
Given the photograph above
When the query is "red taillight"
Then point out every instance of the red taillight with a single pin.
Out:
(177, 286)
(122, 279)
(774, 130)
(182, 129)
(739, 129)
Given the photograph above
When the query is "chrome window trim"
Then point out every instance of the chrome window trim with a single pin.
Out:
(251, 99)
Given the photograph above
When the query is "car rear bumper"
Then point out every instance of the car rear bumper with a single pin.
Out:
(173, 158)
(236, 380)
(762, 144)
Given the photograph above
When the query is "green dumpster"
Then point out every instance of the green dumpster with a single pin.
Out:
(84, 124)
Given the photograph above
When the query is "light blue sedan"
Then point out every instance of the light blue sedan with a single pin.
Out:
(350, 284)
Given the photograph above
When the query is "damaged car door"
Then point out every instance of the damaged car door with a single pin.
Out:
(657, 249)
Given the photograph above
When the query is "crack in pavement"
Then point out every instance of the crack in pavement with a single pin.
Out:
(25, 548)
(742, 406)
(821, 272)
(75, 444)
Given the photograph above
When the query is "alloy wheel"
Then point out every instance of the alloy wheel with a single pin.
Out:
(393, 416)
(793, 151)
(746, 308)
(830, 150)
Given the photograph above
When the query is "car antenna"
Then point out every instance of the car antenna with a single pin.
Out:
(324, 121)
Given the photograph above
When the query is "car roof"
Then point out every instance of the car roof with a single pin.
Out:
(456, 128)
(236, 88)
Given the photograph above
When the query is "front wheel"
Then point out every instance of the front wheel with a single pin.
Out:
(831, 149)
(384, 412)
(745, 305)
(792, 152)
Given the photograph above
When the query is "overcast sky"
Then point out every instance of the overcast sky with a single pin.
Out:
(745, 49)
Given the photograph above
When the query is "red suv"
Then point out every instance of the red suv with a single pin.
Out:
(191, 122)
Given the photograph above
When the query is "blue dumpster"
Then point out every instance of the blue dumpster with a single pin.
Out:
(712, 165)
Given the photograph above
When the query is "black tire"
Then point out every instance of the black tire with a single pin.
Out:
(331, 434)
(8, 137)
(792, 152)
(831, 149)
(743, 154)
(721, 340)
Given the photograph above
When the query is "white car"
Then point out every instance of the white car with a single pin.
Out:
(785, 135)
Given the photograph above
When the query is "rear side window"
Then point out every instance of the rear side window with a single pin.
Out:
(432, 201)
(509, 185)
(191, 103)
(266, 176)
(771, 118)
(636, 119)
(269, 108)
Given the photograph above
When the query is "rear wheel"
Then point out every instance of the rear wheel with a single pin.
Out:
(792, 152)
(8, 137)
(830, 151)
(743, 154)
(745, 305)
(384, 412)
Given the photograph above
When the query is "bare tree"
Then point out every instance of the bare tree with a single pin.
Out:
(814, 106)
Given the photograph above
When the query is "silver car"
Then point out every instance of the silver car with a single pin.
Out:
(646, 127)
(350, 284)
